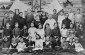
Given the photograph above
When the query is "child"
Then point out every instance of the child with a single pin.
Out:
(71, 32)
(56, 30)
(78, 47)
(63, 31)
(56, 43)
(13, 46)
(30, 45)
(38, 43)
(47, 42)
(16, 32)
(7, 34)
(40, 31)
(21, 45)
(32, 31)
(24, 33)
(47, 29)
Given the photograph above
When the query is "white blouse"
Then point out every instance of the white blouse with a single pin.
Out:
(63, 32)
(78, 47)
(60, 19)
(51, 22)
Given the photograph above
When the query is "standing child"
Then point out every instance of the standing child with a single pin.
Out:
(7, 38)
(47, 29)
(24, 33)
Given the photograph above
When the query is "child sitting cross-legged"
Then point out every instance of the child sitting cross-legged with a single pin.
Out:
(78, 47)
(21, 45)
(13, 46)
(38, 43)
(56, 43)
(30, 44)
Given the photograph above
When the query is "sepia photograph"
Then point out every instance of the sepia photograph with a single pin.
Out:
(42, 27)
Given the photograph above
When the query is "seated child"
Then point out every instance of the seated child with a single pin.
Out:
(78, 47)
(24, 33)
(30, 45)
(32, 31)
(21, 45)
(56, 43)
(38, 43)
(16, 32)
(13, 46)
(47, 42)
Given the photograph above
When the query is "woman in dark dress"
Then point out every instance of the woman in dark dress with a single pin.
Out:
(43, 17)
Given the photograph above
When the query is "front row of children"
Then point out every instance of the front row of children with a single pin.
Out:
(72, 46)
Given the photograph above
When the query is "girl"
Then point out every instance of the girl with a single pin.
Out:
(78, 47)
(48, 31)
(47, 42)
(40, 31)
(71, 31)
(13, 46)
(21, 45)
(63, 31)
(32, 31)
(38, 43)
(56, 43)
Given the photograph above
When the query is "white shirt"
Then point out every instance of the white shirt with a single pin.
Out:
(71, 17)
(60, 19)
(78, 47)
(38, 44)
(32, 31)
(78, 18)
(41, 32)
(21, 46)
(51, 22)
(63, 32)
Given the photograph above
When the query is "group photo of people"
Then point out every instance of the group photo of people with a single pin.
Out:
(41, 31)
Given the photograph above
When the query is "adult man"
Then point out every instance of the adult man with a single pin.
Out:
(5, 20)
(79, 16)
(61, 17)
(55, 15)
(66, 21)
(50, 21)
(29, 18)
(71, 15)
(16, 15)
